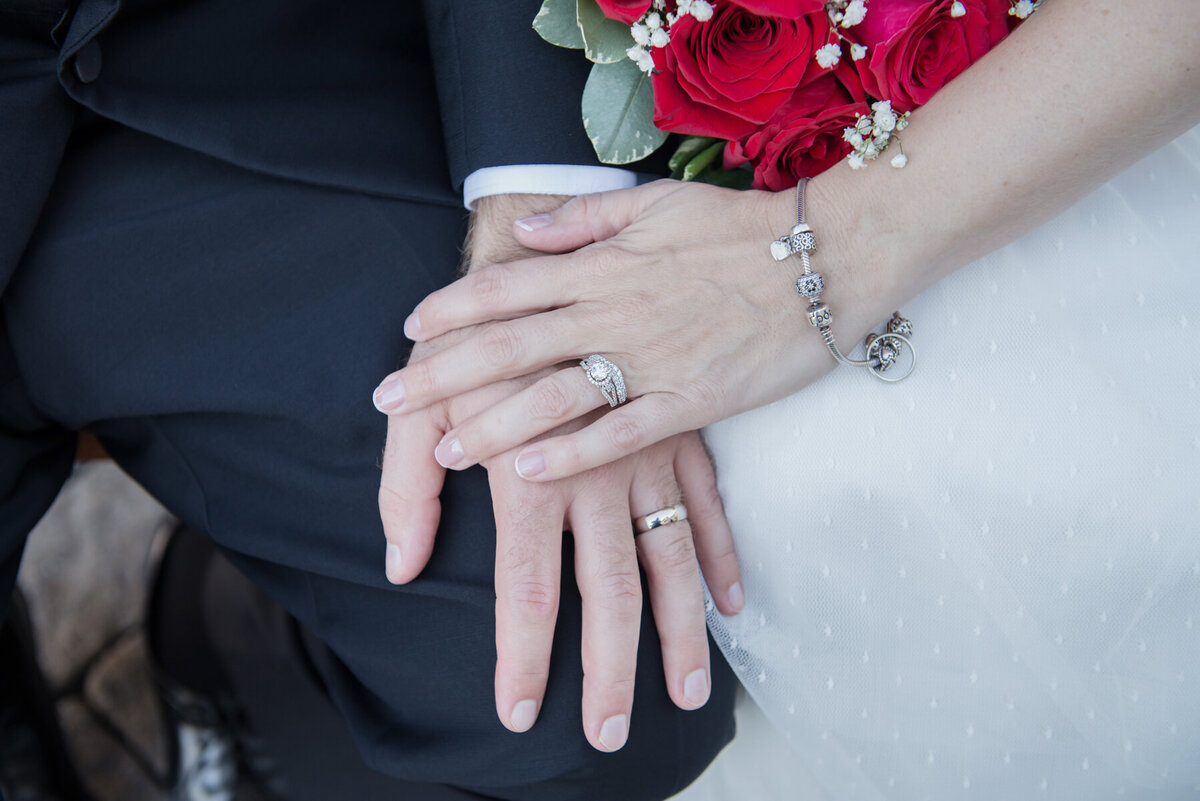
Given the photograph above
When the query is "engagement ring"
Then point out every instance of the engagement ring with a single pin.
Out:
(606, 376)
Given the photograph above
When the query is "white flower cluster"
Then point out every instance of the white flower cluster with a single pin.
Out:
(1023, 8)
(872, 133)
(654, 28)
(842, 14)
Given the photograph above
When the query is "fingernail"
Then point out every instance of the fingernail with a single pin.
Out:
(535, 222)
(614, 732)
(695, 687)
(737, 598)
(524, 713)
(530, 463)
(412, 327)
(449, 452)
(389, 395)
(394, 563)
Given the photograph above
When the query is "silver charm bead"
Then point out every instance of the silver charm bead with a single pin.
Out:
(900, 325)
(802, 239)
(799, 240)
(819, 315)
(810, 285)
(883, 350)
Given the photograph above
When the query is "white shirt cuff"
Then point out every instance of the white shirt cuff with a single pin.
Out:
(544, 179)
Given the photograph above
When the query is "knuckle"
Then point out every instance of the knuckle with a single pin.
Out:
(422, 380)
(533, 598)
(499, 345)
(549, 400)
(625, 434)
(706, 395)
(596, 263)
(678, 556)
(620, 592)
(490, 286)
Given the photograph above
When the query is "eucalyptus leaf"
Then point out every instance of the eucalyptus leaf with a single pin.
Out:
(557, 23)
(688, 149)
(604, 40)
(700, 162)
(618, 113)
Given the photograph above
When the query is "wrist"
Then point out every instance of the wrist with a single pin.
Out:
(489, 234)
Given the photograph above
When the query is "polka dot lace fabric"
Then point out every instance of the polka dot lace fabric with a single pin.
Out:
(984, 582)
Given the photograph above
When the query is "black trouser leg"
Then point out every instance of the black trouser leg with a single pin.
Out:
(222, 332)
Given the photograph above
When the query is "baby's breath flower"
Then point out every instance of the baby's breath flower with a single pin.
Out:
(702, 10)
(958, 9)
(899, 161)
(828, 55)
(1023, 8)
(858, 52)
(641, 34)
(641, 56)
(654, 20)
(660, 38)
(885, 118)
(872, 133)
(856, 12)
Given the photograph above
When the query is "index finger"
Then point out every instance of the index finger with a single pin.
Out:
(409, 487)
(495, 292)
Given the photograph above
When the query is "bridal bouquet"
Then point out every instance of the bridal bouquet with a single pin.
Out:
(768, 90)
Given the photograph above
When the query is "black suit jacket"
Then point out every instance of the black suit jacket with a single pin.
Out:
(399, 98)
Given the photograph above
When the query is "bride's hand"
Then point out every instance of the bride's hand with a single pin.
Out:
(672, 282)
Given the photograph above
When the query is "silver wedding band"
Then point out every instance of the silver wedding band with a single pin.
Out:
(606, 377)
(663, 517)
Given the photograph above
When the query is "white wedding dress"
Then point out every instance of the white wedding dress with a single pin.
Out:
(984, 582)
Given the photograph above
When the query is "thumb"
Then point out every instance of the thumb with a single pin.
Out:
(408, 493)
(585, 219)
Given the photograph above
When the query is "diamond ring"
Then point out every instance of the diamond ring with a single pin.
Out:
(606, 376)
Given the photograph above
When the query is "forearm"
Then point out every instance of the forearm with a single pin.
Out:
(1075, 95)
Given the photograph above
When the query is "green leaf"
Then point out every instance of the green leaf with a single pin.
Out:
(741, 178)
(700, 162)
(604, 40)
(557, 23)
(618, 113)
(688, 149)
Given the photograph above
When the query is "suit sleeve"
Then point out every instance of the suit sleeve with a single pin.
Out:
(506, 95)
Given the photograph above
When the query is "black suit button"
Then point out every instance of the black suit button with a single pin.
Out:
(88, 62)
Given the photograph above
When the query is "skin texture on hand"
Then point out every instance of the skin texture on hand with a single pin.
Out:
(674, 282)
(596, 507)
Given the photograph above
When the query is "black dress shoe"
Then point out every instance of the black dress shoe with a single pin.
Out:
(212, 753)
(34, 762)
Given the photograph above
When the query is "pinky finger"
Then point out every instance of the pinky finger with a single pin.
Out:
(714, 538)
(619, 433)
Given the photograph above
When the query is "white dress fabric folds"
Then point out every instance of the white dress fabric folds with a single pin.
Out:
(984, 582)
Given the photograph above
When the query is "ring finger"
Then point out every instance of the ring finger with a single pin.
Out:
(668, 555)
(554, 400)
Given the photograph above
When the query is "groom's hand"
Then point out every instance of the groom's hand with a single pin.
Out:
(529, 522)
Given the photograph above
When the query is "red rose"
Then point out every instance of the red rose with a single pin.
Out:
(627, 11)
(728, 75)
(782, 8)
(803, 139)
(915, 47)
